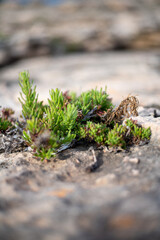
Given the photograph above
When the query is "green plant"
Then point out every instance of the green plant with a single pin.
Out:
(90, 116)
(90, 99)
(4, 124)
(5, 121)
(94, 132)
(59, 119)
(116, 137)
(138, 132)
(28, 97)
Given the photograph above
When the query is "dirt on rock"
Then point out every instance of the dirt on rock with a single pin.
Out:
(59, 199)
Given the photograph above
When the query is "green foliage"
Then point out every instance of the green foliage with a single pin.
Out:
(5, 121)
(58, 116)
(116, 136)
(130, 133)
(27, 137)
(28, 97)
(33, 125)
(45, 153)
(50, 128)
(138, 132)
(4, 124)
(94, 132)
(90, 99)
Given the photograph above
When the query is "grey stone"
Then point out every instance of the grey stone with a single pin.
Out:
(131, 160)
(78, 204)
(105, 180)
(123, 73)
(36, 30)
(146, 120)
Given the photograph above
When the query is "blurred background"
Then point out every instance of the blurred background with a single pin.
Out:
(80, 44)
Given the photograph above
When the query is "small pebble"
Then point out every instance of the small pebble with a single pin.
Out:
(135, 172)
(140, 153)
(107, 179)
(131, 160)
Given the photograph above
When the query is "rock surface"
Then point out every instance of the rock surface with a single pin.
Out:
(123, 73)
(90, 25)
(148, 118)
(59, 199)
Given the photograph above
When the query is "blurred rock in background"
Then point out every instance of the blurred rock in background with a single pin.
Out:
(53, 28)
(31, 30)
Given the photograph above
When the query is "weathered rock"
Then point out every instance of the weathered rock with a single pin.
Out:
(106, 180)
(36, 30)
(12, 141)
(3, 57)
(146, 119)
(123, 73)
(22, 46)
(131, 160)
(60, 200)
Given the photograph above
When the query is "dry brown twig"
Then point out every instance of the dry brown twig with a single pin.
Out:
(128, 107)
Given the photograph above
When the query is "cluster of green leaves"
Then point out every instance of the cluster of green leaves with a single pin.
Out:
(59, 119)
(130, 133)
(119, 136)
(54, 125)
(138, 132)
(5, 122)
(88, 100)
(91, 131)
(116, 136)
(29, 98)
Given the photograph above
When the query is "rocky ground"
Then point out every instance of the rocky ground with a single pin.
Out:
(61, 199)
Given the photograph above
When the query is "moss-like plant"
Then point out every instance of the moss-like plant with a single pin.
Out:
(4, 124)
(5, 121)
(90, 99)
(137, 132)
(67, 117)
(94, 132)
(116, 136)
